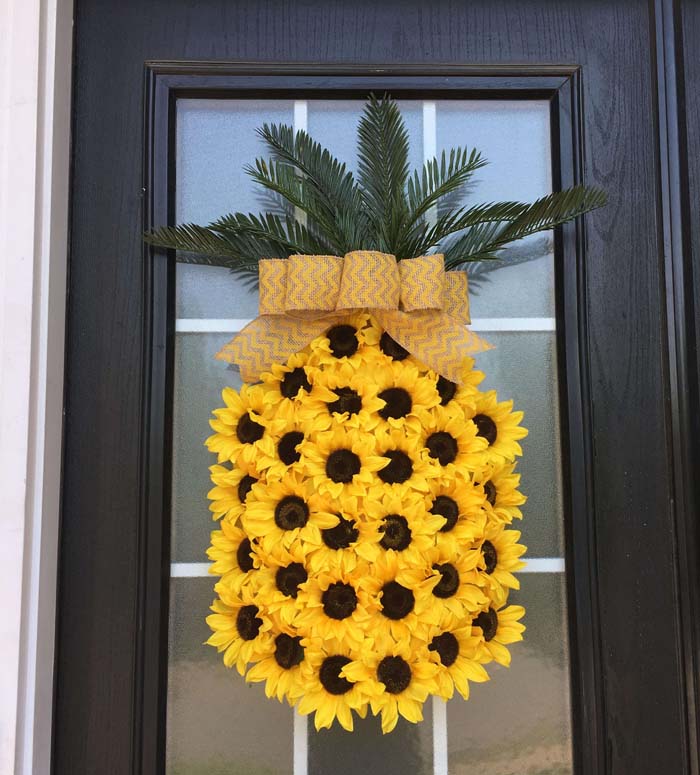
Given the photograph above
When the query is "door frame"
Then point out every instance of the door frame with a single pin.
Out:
(165, 83)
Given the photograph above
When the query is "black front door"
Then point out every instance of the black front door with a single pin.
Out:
(595, 339)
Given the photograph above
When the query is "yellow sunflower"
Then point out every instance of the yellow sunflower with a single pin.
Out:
(239, 425)
(231, 489)
(460, 504)
(341, 462)
(403, 461)
(232, 553)
(280, 582)
(499, 426)
(397, 680)
(354, 341)
(454, 648)
(335, 604)
(286, 386)
(341, 396)
(397, 521)
(404, 395)
(462, 395)
(450, 442)
(280, 513)
(454, 582)
(500, 485)
(495, 629)
(500, 558)
(239, 628)
(406, 606)
(279, 666)
(339, 547)
(326, 691)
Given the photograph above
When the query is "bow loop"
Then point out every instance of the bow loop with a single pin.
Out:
(423, 307)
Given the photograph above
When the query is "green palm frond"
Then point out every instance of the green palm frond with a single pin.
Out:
(544, 214)
(384, 207)
(382, 152)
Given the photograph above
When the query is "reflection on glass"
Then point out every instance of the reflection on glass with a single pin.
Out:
(518, 722)
(217, 724)
(408, 749)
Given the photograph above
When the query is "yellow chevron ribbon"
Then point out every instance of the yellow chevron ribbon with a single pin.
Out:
(423, 307)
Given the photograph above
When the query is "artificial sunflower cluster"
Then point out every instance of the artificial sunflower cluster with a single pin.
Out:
(364, 549)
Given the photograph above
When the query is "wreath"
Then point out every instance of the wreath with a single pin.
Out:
(365, 488)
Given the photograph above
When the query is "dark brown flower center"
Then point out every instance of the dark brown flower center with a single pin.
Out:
(449, 582)
(288, 651)
(348, 401)
(490, 492)
(244, 556)
(340, 536)
(485, 427)
(446, 389)
(287, 447)
(245, 486)
(248, 430)
(490, 556)
(288, 579)
(399, 468)
(392, 348)
(447, 647)
(398, 403)
(394, 673)
(343, 340)
(342, 465)
(247, 622)
(330, 677)
(293, 382)
(442, 446)
(339, 600)
(488, 621)
(291, 512)
(446, 507)
(397, 533)
(397, 601)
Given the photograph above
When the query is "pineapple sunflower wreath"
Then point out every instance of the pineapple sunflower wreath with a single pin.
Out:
(365, 487)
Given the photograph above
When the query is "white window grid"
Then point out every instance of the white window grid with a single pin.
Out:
(510, 324)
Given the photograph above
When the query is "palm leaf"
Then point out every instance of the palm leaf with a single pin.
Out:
(382, 150)
(332, 186)
(542, 215)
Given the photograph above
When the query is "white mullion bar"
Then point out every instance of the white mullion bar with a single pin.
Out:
(189, 570)
(513, 324)
(232, 325)
(210, 325)
(544, 565)
(301, 744)
(301, 122)
(439, 736)
(430, 144)
(183, 570)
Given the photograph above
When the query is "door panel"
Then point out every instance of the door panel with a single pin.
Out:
(632, 682)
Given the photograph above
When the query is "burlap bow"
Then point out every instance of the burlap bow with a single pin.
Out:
(423, 307)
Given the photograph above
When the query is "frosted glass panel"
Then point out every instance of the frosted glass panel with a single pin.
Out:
(514, 138)
(215, 720)
(518, 722)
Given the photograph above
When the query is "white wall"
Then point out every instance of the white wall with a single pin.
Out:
(35, 49)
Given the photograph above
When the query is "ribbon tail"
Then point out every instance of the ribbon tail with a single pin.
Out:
(266, 340)
(437, 339)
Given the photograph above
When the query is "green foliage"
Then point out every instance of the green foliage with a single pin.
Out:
(386, 208)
